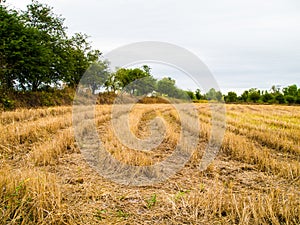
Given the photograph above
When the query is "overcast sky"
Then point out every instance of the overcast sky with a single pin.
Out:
(245, 43)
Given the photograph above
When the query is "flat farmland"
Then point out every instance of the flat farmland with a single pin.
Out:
(44, 178)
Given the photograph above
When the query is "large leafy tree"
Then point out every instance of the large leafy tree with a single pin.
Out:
(95, 76)
(35, 50)
(41, 16)
(43, 49)
(12, 34)
(78, 56)
(166, 86)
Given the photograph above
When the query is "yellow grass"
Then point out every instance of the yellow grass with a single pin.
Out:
(44, 179)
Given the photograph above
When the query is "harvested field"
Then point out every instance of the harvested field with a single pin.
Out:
(44, 178)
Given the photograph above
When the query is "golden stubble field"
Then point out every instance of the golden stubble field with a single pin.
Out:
(44, 178)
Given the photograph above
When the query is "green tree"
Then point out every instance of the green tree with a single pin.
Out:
(134, 75)
(111, 84)
(275, 89)
(191, 94)
(290, 90)
(147, 69)
(130, 80)
(212, 94)
(145, 85)
(254, 95)
(95, 76)
(41, 16)
(290, 99)
(231, 97)
(35, 51)
(298, 97)
(280, 98)
(198, 95)
(267, 97)
(166, 86)
(78, 56)
(13, 35)
(41, 57)
(244, 96)
(25, 56)
(181, 94)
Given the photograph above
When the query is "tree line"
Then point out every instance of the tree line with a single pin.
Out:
(276, 95)
(37, 55)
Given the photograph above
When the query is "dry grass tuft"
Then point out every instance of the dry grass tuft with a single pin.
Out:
(28, 196)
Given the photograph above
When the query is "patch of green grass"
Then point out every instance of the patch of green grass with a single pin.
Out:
(100, 214)
(180, 194)
(122, 214)
(151, 201)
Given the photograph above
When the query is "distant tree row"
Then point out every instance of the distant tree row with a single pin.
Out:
(287, 95)
(139, 81)
(211, 95)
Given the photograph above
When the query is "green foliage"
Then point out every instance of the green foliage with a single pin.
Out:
(290, 99)
(198, 95)
(12, 31)
(95, 76)
(280, 98)
(191, 95)
(254, 95)
(7, 103)
(166, 87)
(151, 201)
(100, 214)
(212, 94)
(244, 96)
(267, 97)
(290, 90)
(231, 97)
(133, 80)
(181, 194)
(37, 57)
(146, 85)
(78, 56)
(36, 52)
(140, 82)
(130, 80)
(289, 95)
(122, 214)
